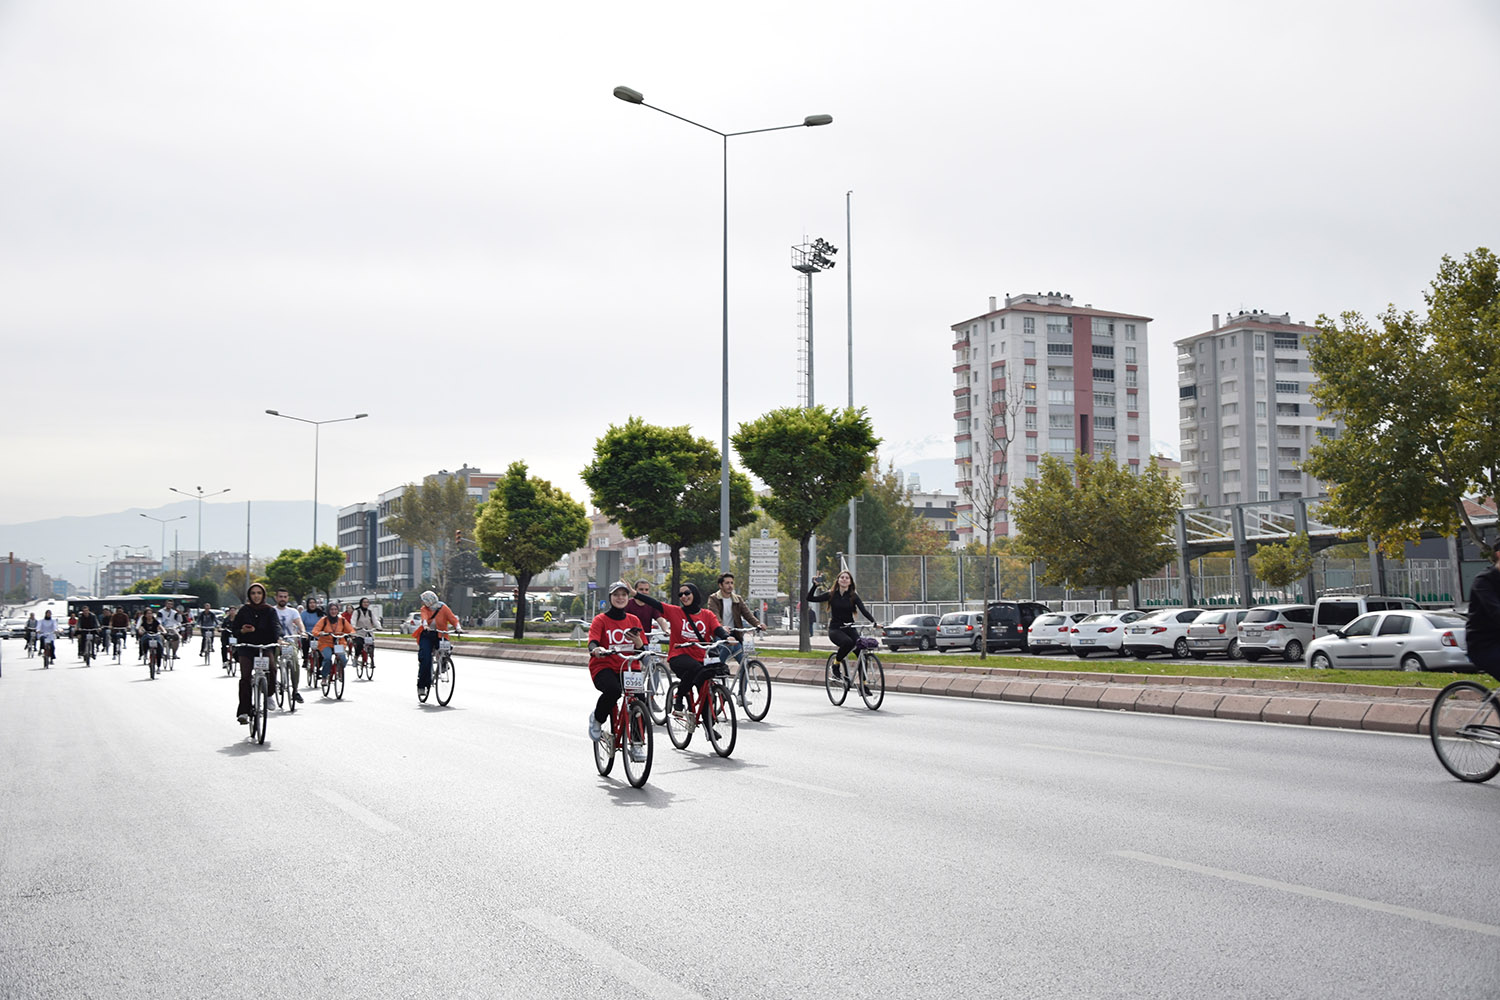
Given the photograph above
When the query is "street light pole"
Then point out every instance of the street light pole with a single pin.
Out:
(164, 521)
(200, 495)
(635, 97)
(849, 313)
(317, 428)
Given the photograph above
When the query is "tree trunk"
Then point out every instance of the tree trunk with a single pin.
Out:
(523, 580)
(984, 618)
(804, 633)
(676, 570)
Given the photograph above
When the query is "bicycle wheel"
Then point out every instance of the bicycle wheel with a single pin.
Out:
(151, 663)
(657, 687)
(1465, 730)
(756, 681)
(723, 727)
(679, 730)
(604, 748)
(260, 711)
(638, 743)
(284, 676)
(338, 682)
(837, 687)
(325, 683)
(444, 679)
(871, 681)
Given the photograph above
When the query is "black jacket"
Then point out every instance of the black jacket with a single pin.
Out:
(263, 617)
(841, 607)
(1483, 633)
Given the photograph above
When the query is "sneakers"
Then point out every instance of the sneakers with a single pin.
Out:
(596, 732)
(838, 669)
(297, 697)
(638, 754)
(244, 719)
(421, 692)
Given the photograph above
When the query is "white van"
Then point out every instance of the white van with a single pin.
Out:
(1337, 610)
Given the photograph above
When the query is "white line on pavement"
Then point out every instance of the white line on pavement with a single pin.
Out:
(358, 811)
(1126, 756)
(804, 786)
(617, 963)
(1306, 890)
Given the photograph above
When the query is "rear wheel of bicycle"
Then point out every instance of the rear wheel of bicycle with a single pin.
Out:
(444, 679)
(837, 687)
(1465, 730)
(638, 743)
(757, 688)
(723, 726)
(679, 731)
(872, 681)
(259, 712)
(657, 686)
(604, 748)
(283, 689)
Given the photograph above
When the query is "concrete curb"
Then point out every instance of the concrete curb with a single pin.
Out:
(1287, 702)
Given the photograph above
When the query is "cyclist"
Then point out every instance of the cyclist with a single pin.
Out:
(738, 610)
(364, 620)
(687, 622)
(46, 635)
(435, 616)
(327, 632)
(843, 600)
(30, 631)
(1483, 636)
(151, 626)
(226, 633)
(311, 614)
(636, 607)
(289, 624)
(206, 621)
(88, 627)
(119, 624)
(610, 629)
(255, 624)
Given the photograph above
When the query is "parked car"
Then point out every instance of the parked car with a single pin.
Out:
(958, 629)
(920, 631)
(1053, 630)
(1009, 620)
(412, 621)
(1337, 610)
(1215, 633)
(1276, 630)
(1162, 631)
(13, 628)
(1395, 640)
(1102, 632)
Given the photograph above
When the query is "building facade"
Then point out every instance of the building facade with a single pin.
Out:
(1245, 412)
(400, 567)
(938, 512)
(25, 580)
(359, 528)
(119, 575)
(1039, 363)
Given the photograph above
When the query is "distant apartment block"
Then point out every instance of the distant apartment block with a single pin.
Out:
(639, 558)
(1245, 412)
(938, 512)
(399, 567)
(24, 579)
(119, 575)
(359, 531)
(1080, 375)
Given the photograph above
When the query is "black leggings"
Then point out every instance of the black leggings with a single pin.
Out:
(844, 639)
(689, 673)
(610, 688)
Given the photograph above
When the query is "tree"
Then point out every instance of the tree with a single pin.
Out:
(150, 585)
(887, 523)
(285, 572)
(1014, 568)
(433, 516)
(704, 574)
(1281, 564)
(1418, 400)
(663, 483)
(320, 566)
(985, 484)
(235, 585)
(466, 571)
(1097, 526)
(527, 525)
(813, 459)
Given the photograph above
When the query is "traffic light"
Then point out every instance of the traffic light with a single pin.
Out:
(458, 535)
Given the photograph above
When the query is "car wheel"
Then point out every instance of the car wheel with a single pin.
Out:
(974, 646)
(1082, 654)
(1320, 661)
(924, 643)
(1233, 652)
(1180, 649)
(1293, 651)
(1139, 654)
(1412, 663)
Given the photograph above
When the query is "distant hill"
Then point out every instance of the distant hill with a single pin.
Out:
(62, 543)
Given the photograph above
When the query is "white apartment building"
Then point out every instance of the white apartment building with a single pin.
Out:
(1079, 373)
(398, 566)
(938, 511)
(1245, 412)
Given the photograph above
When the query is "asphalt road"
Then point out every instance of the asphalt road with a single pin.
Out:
(937, 848)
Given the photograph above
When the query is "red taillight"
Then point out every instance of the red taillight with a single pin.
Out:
(1158, 629)
(1221, 628)
(968, 628)
(911, 631)
(1075, 631)
(1275, 627)
(1108, 628)
(1449, 639)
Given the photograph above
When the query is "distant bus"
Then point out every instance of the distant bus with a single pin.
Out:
(132, 604)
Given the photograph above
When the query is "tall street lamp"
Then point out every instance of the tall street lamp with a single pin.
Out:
(635, 97)
(317, 427)
(200, 495)
(164, 521)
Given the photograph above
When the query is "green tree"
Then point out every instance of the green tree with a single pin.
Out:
(704, 574)
(739, 553)
(886, 521)
(813, 459)
(433, 516)
(527, 525)
(1418, 400)
(150, 585)
(1014, 567)
(320, 566)
(1098, 525)
(1282, 563)
(285, 571)
(663, 483)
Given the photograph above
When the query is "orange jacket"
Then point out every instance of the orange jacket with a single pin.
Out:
(443, 618)
(328, 628)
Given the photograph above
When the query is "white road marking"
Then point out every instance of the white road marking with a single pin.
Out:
(803, 785)
(598, 952)
(1440, 919)
(358, 811)
(1126, 756)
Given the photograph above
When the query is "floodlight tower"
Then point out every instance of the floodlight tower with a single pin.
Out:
(809, 259)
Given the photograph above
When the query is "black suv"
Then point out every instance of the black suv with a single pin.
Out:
(1009, 621)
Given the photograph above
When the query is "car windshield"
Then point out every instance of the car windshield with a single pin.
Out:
(1445, 619)
(1261, 615)
(1211, 617)
(1005, 614)
(1103, 616)
(908, 620)
(957, 618)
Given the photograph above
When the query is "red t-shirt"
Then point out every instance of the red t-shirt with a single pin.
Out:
(681, 631)
(608, 632)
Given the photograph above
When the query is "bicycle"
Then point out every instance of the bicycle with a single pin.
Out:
(444, 673)
(207, 645)
(1465, 730)
(286, 660)
(87, 646)
(49, 651)
(751, 683)
(333, 676)
(657, 677)
(710, 702)
(117, 641)
(631, 717)
(30, 643)
(364, 657)
(173, 640)
(226, 650)
(866, 668)
(153, 652)
(260, 699)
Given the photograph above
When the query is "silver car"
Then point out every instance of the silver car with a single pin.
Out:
(1395, 640)
(1215, 633)
(960, 630)
(1282, 630)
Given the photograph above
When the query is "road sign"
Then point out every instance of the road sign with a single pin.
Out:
(765, 564)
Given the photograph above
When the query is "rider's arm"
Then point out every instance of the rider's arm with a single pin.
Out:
(814, 596)
(863, 610)
(744, 606)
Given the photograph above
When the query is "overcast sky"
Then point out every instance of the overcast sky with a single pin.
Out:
(437, 213)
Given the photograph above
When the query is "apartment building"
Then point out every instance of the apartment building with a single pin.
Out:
(638, 558)
(400, 567)
(938, 512)
(118, 575)
(1245, 412)
(359, 532)
(1041, 363)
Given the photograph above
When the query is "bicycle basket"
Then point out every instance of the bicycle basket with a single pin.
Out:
(867, 642)
(444, 646)
(749, 642)
(634, 681)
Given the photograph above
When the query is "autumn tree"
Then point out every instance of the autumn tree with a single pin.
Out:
(1097, 525)
(1282, 563)
(984, 484)
(433, 516)
(886, 521)
(525, 526)
(813, 459)
(1418, 399)
(663, 483)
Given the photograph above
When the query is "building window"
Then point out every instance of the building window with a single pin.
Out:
(1260, 342)
(1130, 401)
(1028, 324)
(1130, 355)
(1130, 376)
(1058, 327)
(1229, 409)
(1029, 396)
(1230, 431)
(1060, 397)
(1063, 421)
(1104, 374)
(1260, 365)
(1059, 374)
(1290, 388)
(992, 326)
(1129, 331)
(1231, 454)
(1289, 409)
(1031, 420)
(1031, 468)
(1060, 445)
(1105, 350)
(1103, 327)
(1230, 385)
(1285, 342)
(1002, 322)
(1106, 399)
(1029, 372)
(1028, 348)
(1055, 350)
(1260, 408)
(1263, 476)
(1104, 423)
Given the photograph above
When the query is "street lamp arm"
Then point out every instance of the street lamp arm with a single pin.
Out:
(809, 122)
(688, 120)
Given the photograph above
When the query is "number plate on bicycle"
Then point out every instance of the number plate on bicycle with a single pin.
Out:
(262, 663)
(635, 680)
(445, 646)
(749, 642)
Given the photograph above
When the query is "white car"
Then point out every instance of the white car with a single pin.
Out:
(1102, 632)
(1161, 631)
(1395, 640)
(1052, 631)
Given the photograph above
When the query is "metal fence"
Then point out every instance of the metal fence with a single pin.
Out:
(1424, 580)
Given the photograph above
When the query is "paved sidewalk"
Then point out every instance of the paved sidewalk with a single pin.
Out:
(1299, 703)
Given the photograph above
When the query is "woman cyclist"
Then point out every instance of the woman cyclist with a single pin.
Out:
(363, 620)
(327, 632)
(842, 602)
(687, 622)
(254, 624)
(609, 630)
(436, 617)
(46, 637)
